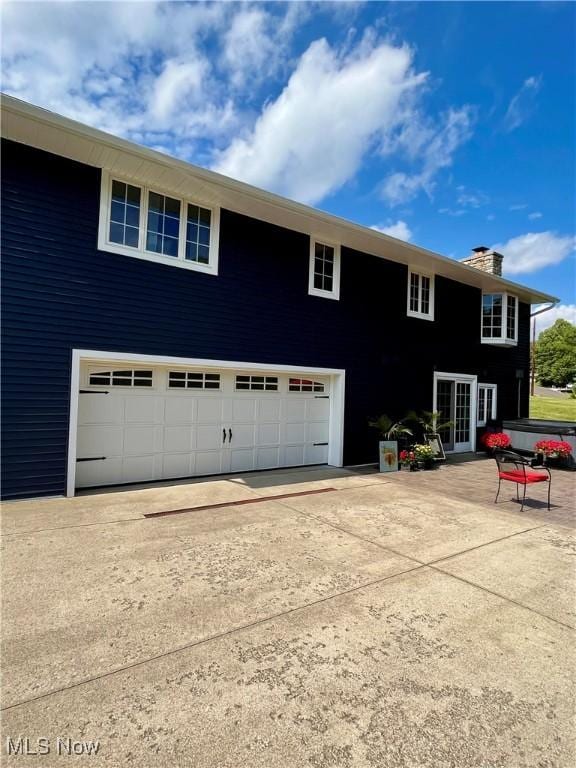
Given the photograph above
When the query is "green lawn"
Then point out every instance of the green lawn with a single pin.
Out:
(553, 408)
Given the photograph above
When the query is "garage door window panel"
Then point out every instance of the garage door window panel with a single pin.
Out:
(121, 378)
(193, 380)
(257, 383)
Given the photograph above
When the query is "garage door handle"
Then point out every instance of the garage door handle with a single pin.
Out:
(229, 435)
(93, 392)
(223, 435)
(319, 443)
(95, 458)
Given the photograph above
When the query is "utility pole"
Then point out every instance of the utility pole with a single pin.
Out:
(533, 358)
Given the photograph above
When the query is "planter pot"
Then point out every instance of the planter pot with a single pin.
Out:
(388, 456)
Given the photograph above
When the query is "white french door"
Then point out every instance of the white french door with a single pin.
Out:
(455, 398)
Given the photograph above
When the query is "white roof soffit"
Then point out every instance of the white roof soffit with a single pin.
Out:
(40, 128)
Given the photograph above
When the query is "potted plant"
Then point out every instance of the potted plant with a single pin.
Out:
(407, 459)
(424, 455)
(555, 450)
(389, 431)
(429, 422)
(495, 440)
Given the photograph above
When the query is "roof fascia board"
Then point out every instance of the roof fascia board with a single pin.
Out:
(403, 252)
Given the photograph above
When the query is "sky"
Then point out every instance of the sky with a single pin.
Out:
(450, 125)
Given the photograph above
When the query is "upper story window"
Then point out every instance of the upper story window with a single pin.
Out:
(142, 222)
(499, 319)
(420, 295)
(486, 403)
(324, 273)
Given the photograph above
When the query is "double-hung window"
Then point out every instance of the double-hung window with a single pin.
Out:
(143, 222)
(499, 319)
(486, 401)
(420, 295)
(324, 272)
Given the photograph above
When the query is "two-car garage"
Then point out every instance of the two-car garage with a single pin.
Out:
(141, 420)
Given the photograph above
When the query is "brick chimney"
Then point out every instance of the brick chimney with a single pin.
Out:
(485, 259)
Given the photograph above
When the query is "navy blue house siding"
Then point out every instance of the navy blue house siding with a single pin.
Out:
(60, 292)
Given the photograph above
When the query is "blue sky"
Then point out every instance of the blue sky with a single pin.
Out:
(448, 124)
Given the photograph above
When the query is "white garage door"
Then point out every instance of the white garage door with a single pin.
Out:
(146, 423)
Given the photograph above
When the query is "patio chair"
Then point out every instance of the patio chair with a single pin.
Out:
(518, 469)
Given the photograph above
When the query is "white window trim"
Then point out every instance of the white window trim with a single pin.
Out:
(491, 416)
(335, 292)
(411, 312)
(141, 253)
(504, 340)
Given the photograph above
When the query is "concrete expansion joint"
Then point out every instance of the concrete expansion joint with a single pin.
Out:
(211, 638)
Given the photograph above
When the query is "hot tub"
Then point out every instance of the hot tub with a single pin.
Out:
(525, 432)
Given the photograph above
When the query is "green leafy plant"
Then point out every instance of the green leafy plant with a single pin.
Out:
(388, 429)
(430, 421)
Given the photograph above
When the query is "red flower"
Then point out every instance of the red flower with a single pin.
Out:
(548, 447)
(496, 440)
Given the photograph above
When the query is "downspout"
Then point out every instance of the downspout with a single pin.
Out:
(533, 356)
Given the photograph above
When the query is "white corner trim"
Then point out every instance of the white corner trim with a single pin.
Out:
(312, 291)
(73, 422)
(337, 379)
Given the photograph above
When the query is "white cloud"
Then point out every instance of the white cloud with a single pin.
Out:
(471, 199)
(561, 311)
(312, 139)
(490, 217)
(534, 250)
(222, 84)
(433, 147)
(535, 215)
(255, 46)
(399, 230)
(518, 207)
(453, 211)
(522, 104)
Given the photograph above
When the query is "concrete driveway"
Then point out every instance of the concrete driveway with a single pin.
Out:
(355, 619)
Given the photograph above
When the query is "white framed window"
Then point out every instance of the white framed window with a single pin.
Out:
(324, 271)
(146, 223)
(121, 378)
(420, 300)
(193, 380)
(499, 319)
(305, 385)
(486, 404)
(257, 383)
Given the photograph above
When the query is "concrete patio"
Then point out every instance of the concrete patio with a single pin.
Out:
(356, 619)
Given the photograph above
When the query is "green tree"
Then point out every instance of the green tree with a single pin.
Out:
(556, 354)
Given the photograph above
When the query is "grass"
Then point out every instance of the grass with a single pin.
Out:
(553, 408)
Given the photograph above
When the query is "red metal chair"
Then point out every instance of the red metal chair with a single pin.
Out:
(519, 470)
